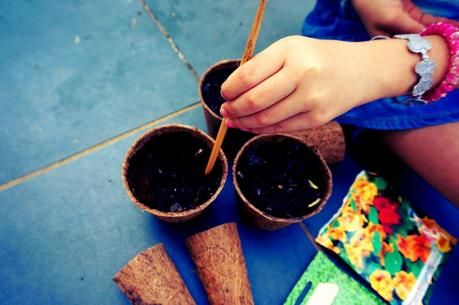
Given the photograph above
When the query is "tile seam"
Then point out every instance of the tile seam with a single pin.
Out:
(82, 153)
(171, 41)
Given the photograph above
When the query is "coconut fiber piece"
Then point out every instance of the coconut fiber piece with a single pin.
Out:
(328, 138)
(220, 263)
(150, 278)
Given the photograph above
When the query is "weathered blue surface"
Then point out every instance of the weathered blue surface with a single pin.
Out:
(207, 31)
(75, 73)
(65, 234)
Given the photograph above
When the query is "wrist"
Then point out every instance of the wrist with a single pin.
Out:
(394, 65)
(369, 67)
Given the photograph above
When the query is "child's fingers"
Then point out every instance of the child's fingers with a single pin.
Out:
(261, 97)
(253, 72)
(405, 23)
(300, 121)
(280, 111)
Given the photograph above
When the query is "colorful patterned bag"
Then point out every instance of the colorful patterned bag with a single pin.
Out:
(385, 241)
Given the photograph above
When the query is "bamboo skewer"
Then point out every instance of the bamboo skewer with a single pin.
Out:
(248, 53)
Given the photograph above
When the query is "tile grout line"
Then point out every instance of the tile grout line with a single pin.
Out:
(91, 149)
(126, 134)
(166, 34)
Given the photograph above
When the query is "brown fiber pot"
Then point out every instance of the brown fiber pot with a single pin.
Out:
(185, 215)
(328, 138)
(260, 218)
(234, 138)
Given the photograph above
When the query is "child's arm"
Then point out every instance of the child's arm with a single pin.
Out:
(300, 82)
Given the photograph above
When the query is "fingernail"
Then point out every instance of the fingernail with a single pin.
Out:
(223, 112)
(230, 124)
(222, 95)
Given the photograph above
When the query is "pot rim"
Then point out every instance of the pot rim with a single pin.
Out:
(170, 128)
(201, 80)
(327, 172)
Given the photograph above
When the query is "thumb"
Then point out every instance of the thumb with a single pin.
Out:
(404, 23)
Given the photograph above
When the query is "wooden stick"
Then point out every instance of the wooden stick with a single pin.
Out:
(216, 148)
(256, 26)
(248, 53)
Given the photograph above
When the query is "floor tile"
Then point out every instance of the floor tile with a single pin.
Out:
(207, 31)
(64, 234)
(74, 73)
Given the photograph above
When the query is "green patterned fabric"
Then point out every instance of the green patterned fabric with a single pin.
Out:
(322, 270)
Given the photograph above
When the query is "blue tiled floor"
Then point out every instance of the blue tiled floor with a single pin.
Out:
(65, 234)
(77, 73)
(208, 31)
(74, 73)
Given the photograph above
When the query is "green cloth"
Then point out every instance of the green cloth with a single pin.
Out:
(322, 270)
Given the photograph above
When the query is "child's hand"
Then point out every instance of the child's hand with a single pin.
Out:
(299, 83)
(389, 17)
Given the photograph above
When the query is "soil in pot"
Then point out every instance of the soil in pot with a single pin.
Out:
(281, 177)
(212, 83)
(210, 86)
(167, 173)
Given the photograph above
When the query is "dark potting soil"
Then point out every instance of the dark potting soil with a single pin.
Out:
(282, 177)
(167, 173)
(212, 83)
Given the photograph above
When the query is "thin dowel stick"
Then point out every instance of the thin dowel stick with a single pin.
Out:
(248, 53)
(256, 26)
